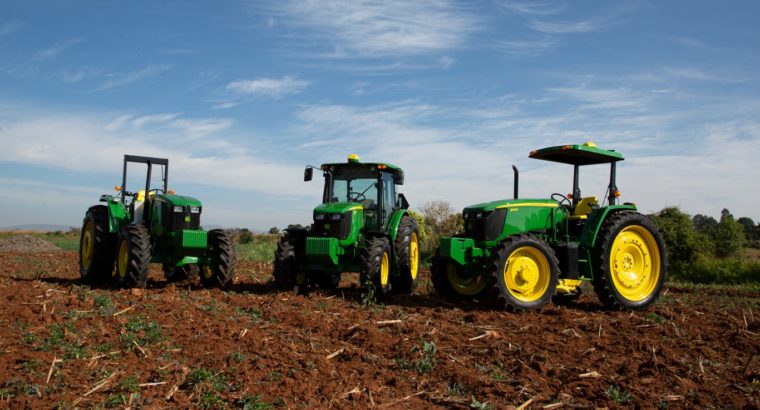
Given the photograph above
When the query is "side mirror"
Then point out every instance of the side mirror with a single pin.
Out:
(401, 202)
(308, 173)
(400, 178)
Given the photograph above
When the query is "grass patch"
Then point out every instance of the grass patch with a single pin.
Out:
(425, 361)
(67, 242)
(253, 403)
(618, 395)
(140, 331)
(261, 248)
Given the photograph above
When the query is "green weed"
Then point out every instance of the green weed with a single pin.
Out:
(475, 404)
(253, 403)
(618, 395)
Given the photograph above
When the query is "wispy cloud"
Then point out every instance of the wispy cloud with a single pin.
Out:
(9, 28)
(372, 29)
(269, 87)
(567, 27)
(189, 128)
(530, 7)
(122, 79)
(52, 52)
(528, 47)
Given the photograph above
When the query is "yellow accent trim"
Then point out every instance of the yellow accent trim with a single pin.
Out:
(568, 285)
(88, 245)
(527, 274)
(464, 286)
(536, 204)
(355, 208)
(635, 263)
(123, 258)
(384, 270)
(414, 256)
(208, 273)
(353, 158)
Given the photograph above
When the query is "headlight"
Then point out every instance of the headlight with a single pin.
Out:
(195, 209)
(179, 209)
(319, 217)
(335, 217)
(479, 215)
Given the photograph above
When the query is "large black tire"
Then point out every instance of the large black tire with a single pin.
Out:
(221, 272)
(286, 274)
(407, 250)
(376, 266)
(526, 272)
(449, 280)
(133, 256)
(179, 273)
(97, 246)
(630, 260)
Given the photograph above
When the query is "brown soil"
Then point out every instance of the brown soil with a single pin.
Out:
(179, 346)
(26, 243)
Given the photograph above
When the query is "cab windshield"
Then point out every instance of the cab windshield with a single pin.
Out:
(354, 185)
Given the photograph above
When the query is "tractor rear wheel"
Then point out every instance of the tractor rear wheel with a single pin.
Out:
(407, 249)
(376, 266)
(221, 272)
(631, 262)
(179, 273)
(526, 271)
(97, 246)
(133, 258)
(286, 273)
(449, 279)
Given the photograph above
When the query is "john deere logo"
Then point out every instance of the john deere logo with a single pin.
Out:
(187, 219)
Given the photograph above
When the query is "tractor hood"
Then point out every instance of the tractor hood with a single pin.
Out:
(510, 203)
(337, 207)
(180, 200)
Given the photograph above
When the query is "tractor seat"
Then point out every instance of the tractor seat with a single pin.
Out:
(584, 207)
(368, 204)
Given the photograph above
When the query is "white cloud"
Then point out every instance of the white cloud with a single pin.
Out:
(527, 47)
(122, 79)
(530, 7)
(270, 87)
(52, 52)
(568, 27)
(386, 28)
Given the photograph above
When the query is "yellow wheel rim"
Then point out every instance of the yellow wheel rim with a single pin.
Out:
(414, 256)
(384, 269)
(123, 258)
(208, 273)
(635, 263)
(527, 274)
(88, 245)
(464, 286)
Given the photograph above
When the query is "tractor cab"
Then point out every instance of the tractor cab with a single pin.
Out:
(356, 186)
(578, 206)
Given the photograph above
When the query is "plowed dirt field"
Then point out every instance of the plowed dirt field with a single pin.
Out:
(181, 346)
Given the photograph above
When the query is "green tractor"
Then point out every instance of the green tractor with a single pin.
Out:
(527, 251)
(134, 229)
(361, 226)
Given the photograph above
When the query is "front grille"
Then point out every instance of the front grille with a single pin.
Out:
(333, 229)
(174, 221)
(486, 228)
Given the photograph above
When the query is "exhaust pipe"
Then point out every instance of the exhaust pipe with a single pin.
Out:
(517, 179)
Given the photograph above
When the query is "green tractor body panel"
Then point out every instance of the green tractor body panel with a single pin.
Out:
(594, 223)
(394, 222)
(118, 216)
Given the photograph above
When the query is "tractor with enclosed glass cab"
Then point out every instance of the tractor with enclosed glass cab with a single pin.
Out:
(526, 252)
(152, 225)
(362, 225)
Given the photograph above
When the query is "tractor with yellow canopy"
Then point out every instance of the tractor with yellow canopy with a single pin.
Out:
(528, 251)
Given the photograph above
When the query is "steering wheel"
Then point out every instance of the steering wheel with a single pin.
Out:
(562, 199)
(356, 197)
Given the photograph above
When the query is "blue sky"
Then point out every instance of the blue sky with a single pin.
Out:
(241, 95)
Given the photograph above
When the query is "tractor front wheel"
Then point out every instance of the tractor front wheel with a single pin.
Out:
(376, 266)
(631, 262)
(526, 271)
(133, 256)
(96, 246)
(449, 279)
(221, 271)
(407, 248)
(286, 274)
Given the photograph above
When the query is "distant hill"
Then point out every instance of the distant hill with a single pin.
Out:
(38, 228)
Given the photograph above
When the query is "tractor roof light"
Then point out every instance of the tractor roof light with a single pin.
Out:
(589, 144)
(353, 158)
(617, 194)
(381, 166)
(171, 191)
(117, 188)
